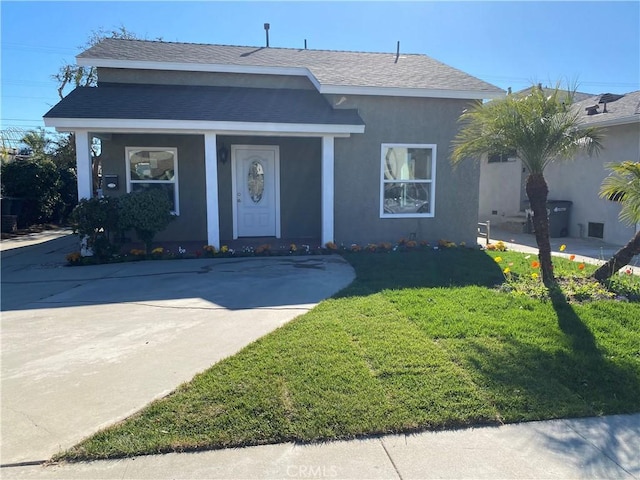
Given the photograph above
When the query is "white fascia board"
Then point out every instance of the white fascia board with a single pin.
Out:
(410, 92)
(199, 67)
(200, 126)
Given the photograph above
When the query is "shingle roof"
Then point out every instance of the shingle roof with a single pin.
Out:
(329, 68)
(228, 104)
(577, 96)
(624, 110)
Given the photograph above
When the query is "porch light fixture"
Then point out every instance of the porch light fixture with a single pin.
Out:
(223, 154)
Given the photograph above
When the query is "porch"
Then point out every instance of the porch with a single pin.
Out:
(202, 185)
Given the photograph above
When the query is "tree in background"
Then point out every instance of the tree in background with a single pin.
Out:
(622, 185)
(37, 141)
(540, 128)
(43, 184)
(34, 183)
(71, 76)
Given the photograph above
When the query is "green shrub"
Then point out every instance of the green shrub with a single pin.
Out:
(147, 212)
(96, 220)
(37, 182)
(68, 191)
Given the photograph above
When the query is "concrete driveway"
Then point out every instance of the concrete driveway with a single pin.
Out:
(83, 347)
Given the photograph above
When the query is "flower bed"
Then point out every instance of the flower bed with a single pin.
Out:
(210, 251)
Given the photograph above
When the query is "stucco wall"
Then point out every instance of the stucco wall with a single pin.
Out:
(358, 166)
(299, 185)
(191, 223)
(579, 180)
(299, 182)
(500, 189)
(166, 77)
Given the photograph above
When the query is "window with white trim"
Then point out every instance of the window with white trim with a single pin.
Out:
(407, 180)
(154, 167)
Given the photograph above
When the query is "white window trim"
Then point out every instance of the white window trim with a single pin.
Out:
(175, 182)
(432, 181)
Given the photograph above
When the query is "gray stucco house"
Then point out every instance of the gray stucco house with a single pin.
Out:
(279, 143)
(502, 196)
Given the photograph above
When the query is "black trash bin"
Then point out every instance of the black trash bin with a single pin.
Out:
(559, 212)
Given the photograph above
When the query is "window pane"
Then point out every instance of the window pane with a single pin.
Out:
(151, 165)
(169, 188)
(401, 163)
(407, 197)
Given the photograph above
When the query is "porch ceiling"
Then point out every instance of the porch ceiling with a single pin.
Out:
(192, 107)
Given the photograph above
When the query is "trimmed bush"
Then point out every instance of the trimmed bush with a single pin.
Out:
(97, 220)
(147, 212)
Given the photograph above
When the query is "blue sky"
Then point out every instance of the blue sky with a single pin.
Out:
(511, 44)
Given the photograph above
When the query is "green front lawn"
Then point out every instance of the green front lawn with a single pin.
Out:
(421, 340)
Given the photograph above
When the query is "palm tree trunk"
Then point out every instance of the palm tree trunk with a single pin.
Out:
(537, 191)
(621, 258)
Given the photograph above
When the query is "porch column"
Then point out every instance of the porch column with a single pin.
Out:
(83, 161)
(211, 182)
(327, 189)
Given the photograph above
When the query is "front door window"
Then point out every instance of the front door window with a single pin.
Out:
(255, 181)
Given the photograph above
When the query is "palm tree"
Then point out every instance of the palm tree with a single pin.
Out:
(37, 141)
(539, 128)
(623, 185)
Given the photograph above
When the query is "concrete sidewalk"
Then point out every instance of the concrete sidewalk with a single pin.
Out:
(35, 238)
(606, 447)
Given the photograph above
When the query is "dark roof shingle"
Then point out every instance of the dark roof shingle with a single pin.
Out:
(329, 68)
(171, 102)
(623, 110)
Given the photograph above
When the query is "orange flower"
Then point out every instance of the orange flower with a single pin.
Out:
(581, 266)
(572, 257)
(535, 264)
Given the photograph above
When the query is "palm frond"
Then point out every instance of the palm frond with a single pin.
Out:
(623, 184)
(538, 127)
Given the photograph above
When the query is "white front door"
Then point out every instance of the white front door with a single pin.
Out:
(256, 191)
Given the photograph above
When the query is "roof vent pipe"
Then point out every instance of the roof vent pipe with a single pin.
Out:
(305, 43)
(266, 30)
(397, 51)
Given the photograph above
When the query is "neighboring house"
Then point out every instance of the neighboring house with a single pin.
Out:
(503, 199)
(279, 143)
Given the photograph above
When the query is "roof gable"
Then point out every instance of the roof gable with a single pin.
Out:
(330, 71)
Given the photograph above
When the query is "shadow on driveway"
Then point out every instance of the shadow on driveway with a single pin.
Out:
(84, 347)
(38, 277)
